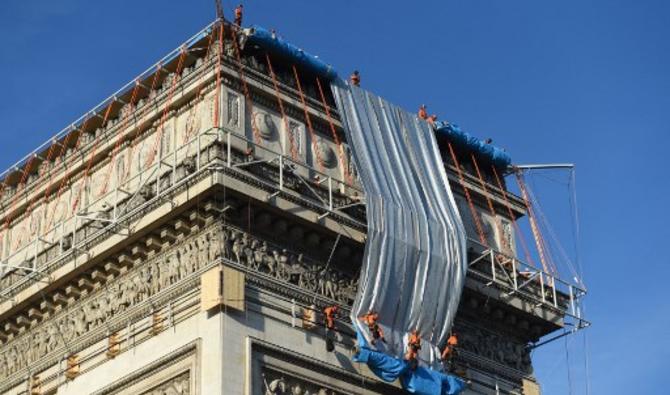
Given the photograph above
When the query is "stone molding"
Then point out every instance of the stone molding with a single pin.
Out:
(176, 372)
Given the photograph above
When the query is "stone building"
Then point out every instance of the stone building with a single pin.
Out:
(184, 236)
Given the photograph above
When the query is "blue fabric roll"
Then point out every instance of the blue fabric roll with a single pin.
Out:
(263, 38)
(421, 381)
(497, 156)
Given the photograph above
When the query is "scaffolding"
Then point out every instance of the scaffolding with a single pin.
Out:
(114, 210)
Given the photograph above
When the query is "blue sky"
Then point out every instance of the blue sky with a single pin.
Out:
(576, 81)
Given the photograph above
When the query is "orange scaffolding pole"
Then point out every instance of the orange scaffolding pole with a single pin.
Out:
(336, 137)
(312, 135)
(473, 211)
(119, 140)
(154, 83)
(287, 129)
(75, 204)
(217, 97)
(166, 109)
(199, 95)
(65, 179)
(533, 225)
(489, 202)
(512, 217)
(245, 87)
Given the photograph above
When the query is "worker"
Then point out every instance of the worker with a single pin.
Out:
(238, 15)
(355, 78)
(376, 331)
(488, 141)
(450, 348)
(330, 313)
(413, 347)
(432, 119)
(422, 112)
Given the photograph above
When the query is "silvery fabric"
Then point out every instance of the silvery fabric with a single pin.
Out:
(414, 264)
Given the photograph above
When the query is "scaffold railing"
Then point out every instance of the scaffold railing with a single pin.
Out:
(100, 108)
(112, 210)
(519, 278)
(493, 266)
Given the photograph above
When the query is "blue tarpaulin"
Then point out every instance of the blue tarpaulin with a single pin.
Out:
(497, 156)
(420, 381)
(271, 42)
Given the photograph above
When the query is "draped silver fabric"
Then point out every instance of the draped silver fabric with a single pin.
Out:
(414, 264)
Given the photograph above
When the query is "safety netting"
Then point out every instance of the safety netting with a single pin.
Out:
(415, 257)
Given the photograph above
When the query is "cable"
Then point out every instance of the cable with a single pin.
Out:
(533, 224)
(473, 211)
(567, 363)
(287, 129)
(512, 217)
(75, 204)
(119, 140)
(159, 135)
(506, 247)
(245, 87)
(315, 146)
(336, 138)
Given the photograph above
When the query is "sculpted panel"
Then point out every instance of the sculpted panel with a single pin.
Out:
(278, 383)
(180, 385)
(495, 348)
(109, 300)
(105, 301)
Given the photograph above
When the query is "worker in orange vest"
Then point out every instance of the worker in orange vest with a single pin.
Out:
(450, 348)
(432, 119)
(330, 313)
(376, 331)
(355, 78)
(413, 347)
(238, 15)
(422, 112)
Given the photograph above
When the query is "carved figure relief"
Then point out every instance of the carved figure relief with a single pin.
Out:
(180, 385)
(495, 348)
(233, 110)
(95, 310)
(266, 125)
(328, 156)
(163, 270)
(276, 383)
(295, 139)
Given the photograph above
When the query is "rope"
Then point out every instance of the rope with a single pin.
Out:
(65, 179)
(75, 204)
(473, 211)
(512, 217)
(312, 135)
(119, 140)
(217, 97)
(245, 87)
(154, 83)
(50, 154)
(166, 109)
(336, 137)
(489, 202)
(21, 185)
(191, 116)
(287, 128)
(533, 223)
